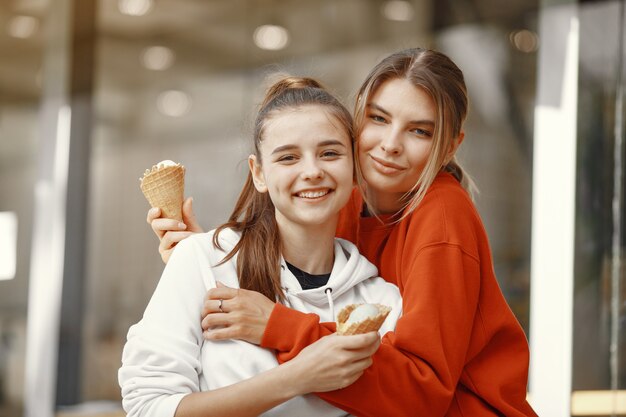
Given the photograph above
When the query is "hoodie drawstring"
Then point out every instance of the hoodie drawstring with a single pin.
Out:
(329, 292)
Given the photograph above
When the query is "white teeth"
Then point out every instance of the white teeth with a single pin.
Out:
(312, 194)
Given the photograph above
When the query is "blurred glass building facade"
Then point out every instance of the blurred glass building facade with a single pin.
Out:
(93, 92)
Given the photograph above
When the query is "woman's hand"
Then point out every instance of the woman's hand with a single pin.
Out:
(230, 313)
(171, 231)
(333, 362)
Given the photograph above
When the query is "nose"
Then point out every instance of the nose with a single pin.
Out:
(312, 170)
(392, 142)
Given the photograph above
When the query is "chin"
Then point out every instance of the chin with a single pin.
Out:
(380, 182)
(319, 220)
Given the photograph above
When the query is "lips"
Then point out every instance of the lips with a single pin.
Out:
(385, 167)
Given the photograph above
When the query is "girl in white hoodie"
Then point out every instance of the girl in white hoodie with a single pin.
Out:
(280, 242)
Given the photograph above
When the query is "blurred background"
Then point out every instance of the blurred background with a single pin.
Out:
(94, 92)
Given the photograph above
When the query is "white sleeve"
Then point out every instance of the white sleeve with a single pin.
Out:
(161, 358)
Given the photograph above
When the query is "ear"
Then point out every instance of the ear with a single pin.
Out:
(257, 174)
(454, 146)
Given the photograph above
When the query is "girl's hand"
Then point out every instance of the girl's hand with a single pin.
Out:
(243, 314)
(333, 362)
(171, 231)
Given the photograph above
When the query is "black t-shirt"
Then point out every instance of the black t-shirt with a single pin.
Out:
(308, 281)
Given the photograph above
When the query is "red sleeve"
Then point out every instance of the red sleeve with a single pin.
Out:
(306, 329)
(416, 368)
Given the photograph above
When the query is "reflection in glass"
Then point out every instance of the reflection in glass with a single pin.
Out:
(157, 58)
(271, 37)
(20, 61)
(398, 10)
(135, 7)
(174, 103)
(22, 26)
(525, 40)
(8, 242)
(599, 352)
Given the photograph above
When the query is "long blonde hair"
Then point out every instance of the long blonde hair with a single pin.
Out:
(436, 74)
(258, 262)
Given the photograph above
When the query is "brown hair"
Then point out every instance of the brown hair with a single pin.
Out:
(436, 74)
(258, 262)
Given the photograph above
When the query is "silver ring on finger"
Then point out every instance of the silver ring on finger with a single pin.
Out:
(219, 306)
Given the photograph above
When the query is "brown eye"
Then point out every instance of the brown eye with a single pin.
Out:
(287, 158)
(330, 154)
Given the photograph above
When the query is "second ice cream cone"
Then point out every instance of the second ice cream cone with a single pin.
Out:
(164, 187)
(369, 324)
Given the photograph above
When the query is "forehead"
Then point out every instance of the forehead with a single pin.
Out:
(303, 124)
(401, 97)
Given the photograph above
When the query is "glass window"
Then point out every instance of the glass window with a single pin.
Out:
(601, 28)
(181, 80)
(21, 53)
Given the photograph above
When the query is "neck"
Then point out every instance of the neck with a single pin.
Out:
(310, 249)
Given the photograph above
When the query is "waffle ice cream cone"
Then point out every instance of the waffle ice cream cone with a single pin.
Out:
(164, 187)
(369, 324)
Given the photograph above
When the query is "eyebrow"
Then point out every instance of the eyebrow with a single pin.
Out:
(412, 122)
(323, 143)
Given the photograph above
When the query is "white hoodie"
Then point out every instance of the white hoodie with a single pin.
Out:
(166, 357)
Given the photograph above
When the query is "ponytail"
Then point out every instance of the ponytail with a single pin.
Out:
(258, 263)
(461, 175)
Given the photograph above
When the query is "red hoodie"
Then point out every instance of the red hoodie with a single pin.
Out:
(457, 350)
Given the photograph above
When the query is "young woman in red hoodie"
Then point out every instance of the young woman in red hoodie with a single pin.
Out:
(458, 350)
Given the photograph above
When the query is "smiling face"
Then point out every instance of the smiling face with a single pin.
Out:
(395, 141)
(305, 166)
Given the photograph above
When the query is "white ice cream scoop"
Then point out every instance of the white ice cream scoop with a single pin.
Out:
(361, 313)
(167, 163)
